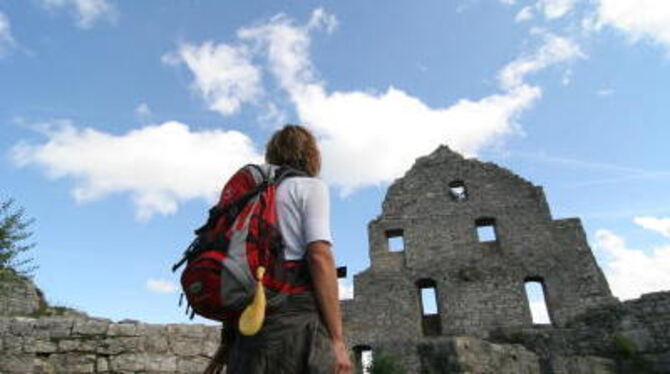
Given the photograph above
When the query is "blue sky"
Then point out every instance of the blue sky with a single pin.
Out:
(120, 121)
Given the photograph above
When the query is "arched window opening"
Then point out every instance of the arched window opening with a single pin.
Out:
(396, 240)
(486, 229)
(362, 359)
(457, 190)
(537, 302)
(430, 309)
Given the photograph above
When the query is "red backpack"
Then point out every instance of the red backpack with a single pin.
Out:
(240, 235)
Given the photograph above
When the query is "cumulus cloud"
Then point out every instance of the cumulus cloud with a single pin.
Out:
(161, 286)
(554, 9)
(320, 19)
(6, 39)
(366, 138)
(659, 225)
(87, 12)
(385, 132)
(633, 272)
(551, 9)
(640, 20)
(224, 74)
(525, 14)
(159, 165)
(555, 50)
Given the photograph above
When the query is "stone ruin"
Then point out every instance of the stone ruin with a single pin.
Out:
(480, 322)
(467, 236)
(38, 338)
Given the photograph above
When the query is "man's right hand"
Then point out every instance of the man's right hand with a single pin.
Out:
(342, 361)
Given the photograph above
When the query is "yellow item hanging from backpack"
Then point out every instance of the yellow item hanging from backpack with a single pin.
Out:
(253, 315)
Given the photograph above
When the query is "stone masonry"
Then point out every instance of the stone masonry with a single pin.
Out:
(19, 296)
(37, 338)
(90, 345)
(436, 211)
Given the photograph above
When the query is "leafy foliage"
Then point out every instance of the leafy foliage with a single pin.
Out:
(383, 363)
(13, 235)
(624, 346)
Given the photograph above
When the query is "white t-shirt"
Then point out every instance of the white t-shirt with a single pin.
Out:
(303, 214)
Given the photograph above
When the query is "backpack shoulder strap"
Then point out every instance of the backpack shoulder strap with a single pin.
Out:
(258, 173)
(284, 172)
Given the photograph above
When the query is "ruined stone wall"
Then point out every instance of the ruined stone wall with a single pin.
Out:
(479, 285)
(646, 323)
(634, 334)
(38, 338)
(19, 296)
(91, 345)
(637, 329)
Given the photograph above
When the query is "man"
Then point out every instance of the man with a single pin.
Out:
(304, 335)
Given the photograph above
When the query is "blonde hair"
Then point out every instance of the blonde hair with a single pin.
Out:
(296, 147)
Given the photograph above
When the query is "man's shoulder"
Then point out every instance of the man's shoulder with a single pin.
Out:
(305, 182)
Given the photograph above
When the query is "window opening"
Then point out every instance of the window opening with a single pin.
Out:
(537, 301)
(430, 309)
(428, 301)
(486, 230)
(396, 241)
(457, 190)
(363, 359)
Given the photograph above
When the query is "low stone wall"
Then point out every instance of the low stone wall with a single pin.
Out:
(90, 345)
(635, 334)
(471, 355)
(465, 355)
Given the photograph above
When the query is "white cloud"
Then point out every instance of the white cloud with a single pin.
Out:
(322, 19)
(385, 132)
(555, 50)
(6, 39)
(605, 92)
(525, 14)
(87, 12)
(551, 9)
(143, 111)
(639, 19)
(346, 289)
(659, 225)
(159, 166)
(224, 74)
(161, 286)
(632, 272)
(554, 9)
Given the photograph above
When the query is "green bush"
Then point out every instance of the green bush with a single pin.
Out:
(624, 346)
(383, 363)
(629, 357)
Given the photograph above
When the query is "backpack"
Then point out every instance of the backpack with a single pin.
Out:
(240, 235)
